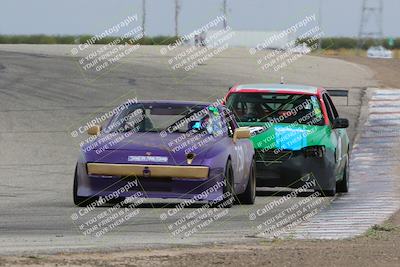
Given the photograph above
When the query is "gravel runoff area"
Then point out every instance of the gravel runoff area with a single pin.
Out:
(386, 71)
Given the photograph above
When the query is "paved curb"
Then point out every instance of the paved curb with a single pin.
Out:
(374, 176)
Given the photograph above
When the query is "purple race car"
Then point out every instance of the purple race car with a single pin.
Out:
(167, 149)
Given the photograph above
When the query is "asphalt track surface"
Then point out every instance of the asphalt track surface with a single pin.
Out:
(45, 95)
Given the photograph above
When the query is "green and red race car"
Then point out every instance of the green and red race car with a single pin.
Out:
(297, 135)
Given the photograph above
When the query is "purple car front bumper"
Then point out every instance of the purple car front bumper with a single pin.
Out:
(153, 181)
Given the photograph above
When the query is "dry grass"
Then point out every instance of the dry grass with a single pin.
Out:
(352, 52)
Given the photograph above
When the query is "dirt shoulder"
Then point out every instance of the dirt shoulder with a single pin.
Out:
(378, 247)
(386, 70)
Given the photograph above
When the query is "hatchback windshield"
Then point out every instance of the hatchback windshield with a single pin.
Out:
(275, 108)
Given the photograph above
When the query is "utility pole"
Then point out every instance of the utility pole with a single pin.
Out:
(320, 23)
(224, 11)
(143, 17)
(370, 28)
(177, 9)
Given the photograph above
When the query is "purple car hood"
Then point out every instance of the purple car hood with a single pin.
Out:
(149, 148)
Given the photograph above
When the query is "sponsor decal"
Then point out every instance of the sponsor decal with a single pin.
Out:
(148, 158)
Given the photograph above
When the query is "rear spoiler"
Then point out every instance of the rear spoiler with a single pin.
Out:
(339, 93)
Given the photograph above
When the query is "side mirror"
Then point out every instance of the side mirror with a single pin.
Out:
(241, 133)
(340, 123)
(94, 130)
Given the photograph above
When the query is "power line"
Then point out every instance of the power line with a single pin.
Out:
(369, 28)
(224, 11)
(143, 16)
(320, 23)
(177, 9)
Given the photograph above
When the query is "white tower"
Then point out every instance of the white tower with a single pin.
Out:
(371, 21)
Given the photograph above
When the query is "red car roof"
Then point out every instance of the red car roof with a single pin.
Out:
(275, 88)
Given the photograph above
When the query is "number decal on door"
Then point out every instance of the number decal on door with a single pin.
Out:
(240, 157)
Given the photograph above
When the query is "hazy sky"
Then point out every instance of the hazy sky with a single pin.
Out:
(339, 17)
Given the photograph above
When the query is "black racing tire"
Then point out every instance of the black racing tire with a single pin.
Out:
(327, 193)
(228, 189)
(248, 197)
(342, 186)
(80, 201)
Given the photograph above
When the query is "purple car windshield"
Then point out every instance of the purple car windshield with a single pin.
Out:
(157, 118)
